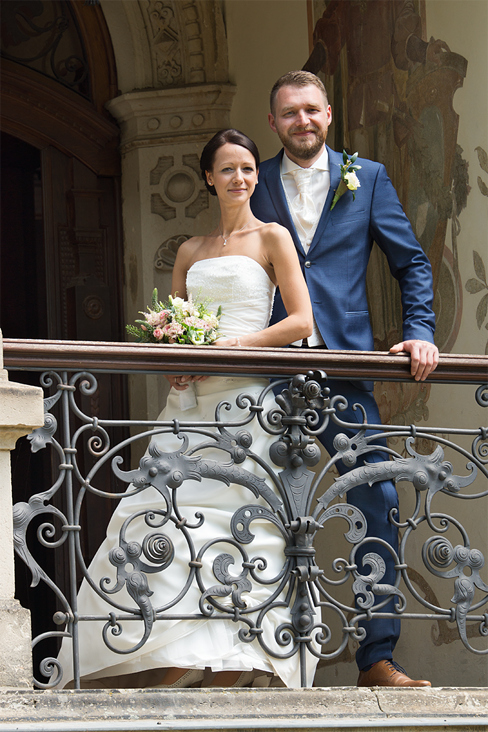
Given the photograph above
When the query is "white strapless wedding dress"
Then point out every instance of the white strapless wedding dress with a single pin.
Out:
(245, 292)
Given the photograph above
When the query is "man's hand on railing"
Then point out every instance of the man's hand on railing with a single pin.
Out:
(424, 357)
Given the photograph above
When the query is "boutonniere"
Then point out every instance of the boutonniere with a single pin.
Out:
(349, 179)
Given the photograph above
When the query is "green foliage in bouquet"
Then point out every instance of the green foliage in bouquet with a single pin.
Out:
(177, 321)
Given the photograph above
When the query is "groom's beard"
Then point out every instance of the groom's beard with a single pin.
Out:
(303, 149)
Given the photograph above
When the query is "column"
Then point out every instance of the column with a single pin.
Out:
(21, 411)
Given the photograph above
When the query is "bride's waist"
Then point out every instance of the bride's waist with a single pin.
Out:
(227, 383)
(241, 324)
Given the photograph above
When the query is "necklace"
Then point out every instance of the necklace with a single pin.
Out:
(226, 238)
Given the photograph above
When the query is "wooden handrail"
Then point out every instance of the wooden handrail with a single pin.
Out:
(29, 354)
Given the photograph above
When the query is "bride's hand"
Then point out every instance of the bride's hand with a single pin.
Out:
(227, 342)
(182, 382)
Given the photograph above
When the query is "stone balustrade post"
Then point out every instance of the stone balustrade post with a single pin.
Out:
(21, 411)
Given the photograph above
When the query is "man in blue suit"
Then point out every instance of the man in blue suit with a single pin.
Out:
(296, 189)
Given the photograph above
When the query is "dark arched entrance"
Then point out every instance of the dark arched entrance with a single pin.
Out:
(61, 250)
(58, 71)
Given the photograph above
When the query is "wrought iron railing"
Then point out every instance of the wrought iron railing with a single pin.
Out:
(283, 490)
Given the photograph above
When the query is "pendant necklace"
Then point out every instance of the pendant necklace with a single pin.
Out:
(226, 238)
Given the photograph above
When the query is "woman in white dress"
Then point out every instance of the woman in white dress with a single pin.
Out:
(237, 266)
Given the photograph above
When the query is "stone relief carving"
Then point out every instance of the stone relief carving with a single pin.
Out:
(165, 256)
(165, 43)
(180, 187)
(177, 42)
(192, 161)
(187, 41)
(158, 206)
(199, 204)
(181, 190)
(164, 163)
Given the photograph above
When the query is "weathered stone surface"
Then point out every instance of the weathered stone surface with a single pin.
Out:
(433, 702)
(245, 709)
(15, 645)
(21, 410)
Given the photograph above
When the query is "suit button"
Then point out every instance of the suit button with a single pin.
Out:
(308, 264)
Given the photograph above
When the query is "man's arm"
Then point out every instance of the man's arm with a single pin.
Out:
(410, 266)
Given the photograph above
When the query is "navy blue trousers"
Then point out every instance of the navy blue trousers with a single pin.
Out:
(375, 502)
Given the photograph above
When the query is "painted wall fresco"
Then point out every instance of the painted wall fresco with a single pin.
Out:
(478, 284)
(391, 92)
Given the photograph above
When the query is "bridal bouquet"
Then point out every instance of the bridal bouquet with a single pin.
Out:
(177, 321)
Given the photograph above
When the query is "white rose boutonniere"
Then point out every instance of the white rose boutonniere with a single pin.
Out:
(349, 179)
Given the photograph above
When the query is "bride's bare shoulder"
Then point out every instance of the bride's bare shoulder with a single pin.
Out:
(193, 243)
(189, 249)
(273, 233)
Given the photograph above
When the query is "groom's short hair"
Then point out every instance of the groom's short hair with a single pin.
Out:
(295, 78)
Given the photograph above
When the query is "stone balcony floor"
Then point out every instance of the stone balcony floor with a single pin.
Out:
(337, 708)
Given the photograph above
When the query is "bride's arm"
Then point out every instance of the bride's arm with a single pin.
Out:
(180, 268)
(280, 254)
(178, 289)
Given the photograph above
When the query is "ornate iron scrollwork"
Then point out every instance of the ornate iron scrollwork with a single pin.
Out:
(286, 494)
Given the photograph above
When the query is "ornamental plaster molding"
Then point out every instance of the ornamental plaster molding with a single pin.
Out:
(187, 41)
(162, 116)
(167, 43)
(181, 192)
(165, 256)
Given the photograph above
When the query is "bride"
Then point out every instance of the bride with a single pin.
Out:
(237, 266)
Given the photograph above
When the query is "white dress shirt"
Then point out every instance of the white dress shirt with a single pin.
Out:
(319, 188)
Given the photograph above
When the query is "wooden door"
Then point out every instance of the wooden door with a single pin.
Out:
(60, 278)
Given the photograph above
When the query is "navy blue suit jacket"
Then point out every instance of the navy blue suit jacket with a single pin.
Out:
(335, 266)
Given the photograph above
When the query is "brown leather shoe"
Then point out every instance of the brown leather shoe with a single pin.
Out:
(387, 673)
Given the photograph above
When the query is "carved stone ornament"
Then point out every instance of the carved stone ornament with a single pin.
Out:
(163, 116)
(187, 41)
(181, 189)
(164, 258)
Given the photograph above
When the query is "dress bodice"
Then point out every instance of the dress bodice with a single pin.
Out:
(240, 285)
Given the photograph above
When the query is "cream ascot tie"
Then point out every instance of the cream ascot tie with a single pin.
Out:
(303, 205)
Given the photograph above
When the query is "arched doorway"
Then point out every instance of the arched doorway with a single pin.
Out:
(57, 73)
(61, 272)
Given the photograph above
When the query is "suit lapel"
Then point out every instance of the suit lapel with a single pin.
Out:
(335, 159)
(277, 193)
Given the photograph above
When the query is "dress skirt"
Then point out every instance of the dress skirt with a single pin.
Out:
(214, 642)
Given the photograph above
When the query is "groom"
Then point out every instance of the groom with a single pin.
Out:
(296, 189)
